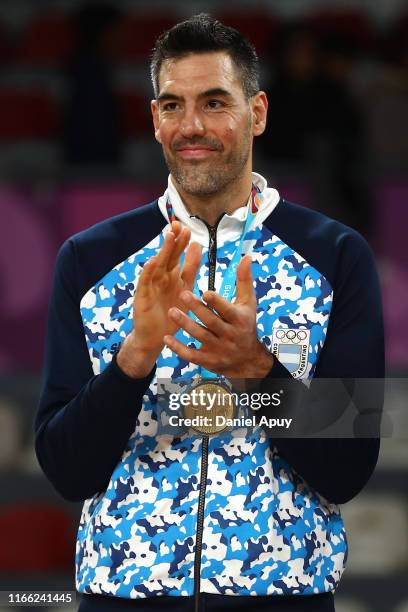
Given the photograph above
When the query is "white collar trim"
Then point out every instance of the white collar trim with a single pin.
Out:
(231, 225)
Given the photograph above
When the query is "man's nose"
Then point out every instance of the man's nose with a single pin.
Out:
(191, 123)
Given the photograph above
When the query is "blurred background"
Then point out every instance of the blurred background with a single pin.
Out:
(77, 146)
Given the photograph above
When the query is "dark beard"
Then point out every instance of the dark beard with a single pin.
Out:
(195, 180)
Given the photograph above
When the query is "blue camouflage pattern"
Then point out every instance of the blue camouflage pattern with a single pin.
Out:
(265, 531)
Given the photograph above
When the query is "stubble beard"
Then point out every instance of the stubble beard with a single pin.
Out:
(207, 178)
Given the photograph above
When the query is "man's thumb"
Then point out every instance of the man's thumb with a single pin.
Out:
(245, 288)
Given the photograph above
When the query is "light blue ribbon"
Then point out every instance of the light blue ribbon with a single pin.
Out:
(228, 286)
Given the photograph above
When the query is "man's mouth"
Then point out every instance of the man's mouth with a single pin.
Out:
(191, 150)
(195, 152)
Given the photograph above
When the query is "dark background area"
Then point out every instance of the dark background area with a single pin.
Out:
(77, 146)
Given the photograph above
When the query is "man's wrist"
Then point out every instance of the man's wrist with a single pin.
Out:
(263, 362)
(134, 360)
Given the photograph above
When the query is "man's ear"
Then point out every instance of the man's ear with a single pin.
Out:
(259, 104)
(154, 106)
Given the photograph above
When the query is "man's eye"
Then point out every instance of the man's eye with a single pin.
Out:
(170, 106)
(214, 104)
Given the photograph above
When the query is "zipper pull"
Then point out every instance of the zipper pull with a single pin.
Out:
(212, 231)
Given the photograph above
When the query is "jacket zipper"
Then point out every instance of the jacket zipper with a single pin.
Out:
(212, 260)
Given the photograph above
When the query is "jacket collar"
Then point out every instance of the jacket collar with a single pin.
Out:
(231, 226)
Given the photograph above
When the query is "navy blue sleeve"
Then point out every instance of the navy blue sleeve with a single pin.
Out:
(338, 468)
(84, 420)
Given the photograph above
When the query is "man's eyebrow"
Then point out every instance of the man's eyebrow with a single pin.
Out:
(167, 96)
(215, 91)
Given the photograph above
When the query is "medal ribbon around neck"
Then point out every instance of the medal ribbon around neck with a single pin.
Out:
(228, 286)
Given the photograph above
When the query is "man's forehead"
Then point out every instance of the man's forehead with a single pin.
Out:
(199, 72)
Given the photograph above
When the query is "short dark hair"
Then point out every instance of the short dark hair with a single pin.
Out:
(202, 34)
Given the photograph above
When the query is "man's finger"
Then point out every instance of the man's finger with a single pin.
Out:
(245, 287)
(165, 252)
(182, 241)
(145, 279)
(209, 318)
(191, 265)
(176, 227)
(194, 329)
(223, 307)
(197, 356)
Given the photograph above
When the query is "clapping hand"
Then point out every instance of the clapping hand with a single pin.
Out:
(159, 288)
(227, 331)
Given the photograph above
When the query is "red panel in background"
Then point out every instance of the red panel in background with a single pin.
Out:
(134, 36)
(354, 24)
(28, 114)
(48, 40)
(84, 205)
(5, 45)
(135, 114)
(35, 538)
(260, 28)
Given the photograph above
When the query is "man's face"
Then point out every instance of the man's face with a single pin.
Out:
(204, 122)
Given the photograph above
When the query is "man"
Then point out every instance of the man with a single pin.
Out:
(197, 522)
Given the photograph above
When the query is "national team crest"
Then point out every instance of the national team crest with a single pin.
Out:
(291, 347)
